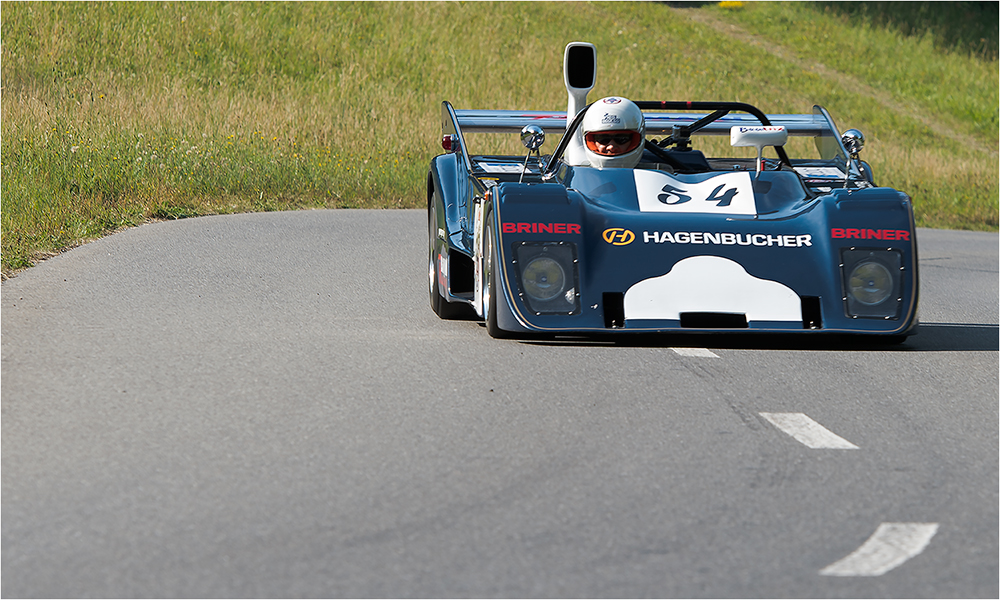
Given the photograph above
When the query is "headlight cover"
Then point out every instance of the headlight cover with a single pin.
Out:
(872, 280)
(548, 276)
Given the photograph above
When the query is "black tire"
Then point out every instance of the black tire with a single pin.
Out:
(441, 307)
(492, 287)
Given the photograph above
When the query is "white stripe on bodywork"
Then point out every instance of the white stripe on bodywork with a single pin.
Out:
(891, 545)
(711, 284)
(807, 431)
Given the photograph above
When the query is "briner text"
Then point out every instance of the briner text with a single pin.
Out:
(541, 228)
(870, 234)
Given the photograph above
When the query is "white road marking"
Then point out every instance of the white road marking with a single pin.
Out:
(891, 545)
(697, 352)
(807, 431)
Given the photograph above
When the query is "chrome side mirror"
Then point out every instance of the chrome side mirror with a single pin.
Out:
(854, 142)
(532, 137)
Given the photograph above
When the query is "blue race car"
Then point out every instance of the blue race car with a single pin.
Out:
(617, 231)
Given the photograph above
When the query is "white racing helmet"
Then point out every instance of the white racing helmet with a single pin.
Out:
(613, 133)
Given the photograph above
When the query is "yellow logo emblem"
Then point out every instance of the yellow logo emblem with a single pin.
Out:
(617, 236)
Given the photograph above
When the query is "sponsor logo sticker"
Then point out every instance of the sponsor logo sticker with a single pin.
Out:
(761, 128)
(561, 228)
(870, 234)
(727, 239)
(618, 236)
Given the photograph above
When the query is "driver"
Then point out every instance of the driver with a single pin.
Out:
(613, 133)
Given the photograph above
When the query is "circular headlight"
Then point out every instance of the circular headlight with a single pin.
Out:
(870, 283)
(543, 278)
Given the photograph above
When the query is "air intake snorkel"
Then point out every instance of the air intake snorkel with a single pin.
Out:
(579, 75)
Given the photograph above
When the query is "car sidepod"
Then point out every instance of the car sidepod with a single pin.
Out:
(450, 195)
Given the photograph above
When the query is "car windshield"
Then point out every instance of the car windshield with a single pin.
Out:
(704, 128)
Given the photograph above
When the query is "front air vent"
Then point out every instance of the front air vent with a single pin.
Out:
(708, 320)
(461, 268)
(614, 310)
(812, 317)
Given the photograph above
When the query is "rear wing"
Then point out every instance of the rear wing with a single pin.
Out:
(819, 125)
(512, 121)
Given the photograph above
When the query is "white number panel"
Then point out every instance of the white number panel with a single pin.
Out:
(726, 194)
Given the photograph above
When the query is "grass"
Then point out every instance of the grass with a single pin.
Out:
(116, 113)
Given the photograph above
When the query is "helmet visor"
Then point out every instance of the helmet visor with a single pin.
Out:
(612, 143)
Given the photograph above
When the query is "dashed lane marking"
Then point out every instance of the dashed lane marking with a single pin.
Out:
(807, 431)
(697, 352)
(891, 545)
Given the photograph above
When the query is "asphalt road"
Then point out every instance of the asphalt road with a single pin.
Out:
(264, 405)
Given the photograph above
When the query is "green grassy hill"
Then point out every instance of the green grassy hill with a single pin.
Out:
(114, 113)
